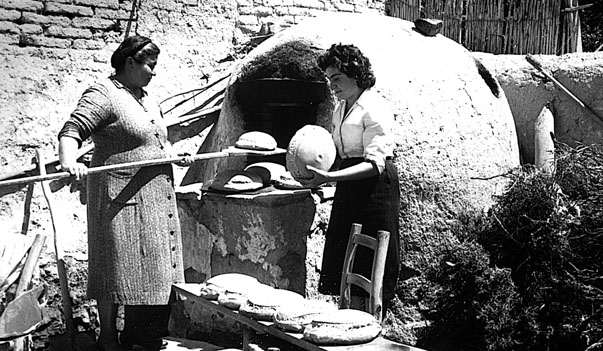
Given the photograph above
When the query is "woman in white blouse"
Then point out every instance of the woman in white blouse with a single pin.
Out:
(367, 180)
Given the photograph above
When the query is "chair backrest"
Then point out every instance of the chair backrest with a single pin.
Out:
(374, 285)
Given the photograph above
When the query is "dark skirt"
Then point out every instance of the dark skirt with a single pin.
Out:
(375, 203)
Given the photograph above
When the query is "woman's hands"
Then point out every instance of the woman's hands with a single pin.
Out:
(185, 161)
(76, 169)
(68, 147)
(319, 177)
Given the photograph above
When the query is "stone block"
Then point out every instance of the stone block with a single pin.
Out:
(246, 10)
(248, 20)
(63, 32)
(112, 4)
(112, 14)
(263, 11)
(190, 2)
(9, 39)
(344, 7)
(281, 11)
(24, 5)
(298, 11)
(94, 23)
(85, 44)
(29, 17)
(9, 27)
(9, 15)
(65, 9)
(311, 4)
(35, 40)
(31, 29)
(272, 3)
(168, 5)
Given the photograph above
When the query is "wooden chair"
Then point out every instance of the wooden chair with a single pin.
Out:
(374, 285)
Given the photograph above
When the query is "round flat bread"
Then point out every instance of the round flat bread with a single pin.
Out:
(342, 327)
(235, 282)
(313, 146)
(210, 291)
(263, 303)
(294, 318)
(286, 181)
(236, 181)
(232, 300)
(268, 171)
(256, 140)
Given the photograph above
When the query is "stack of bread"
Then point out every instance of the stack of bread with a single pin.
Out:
(229, 289)
(320, 322)
(295, 317)
(262, 304)
(342, 327)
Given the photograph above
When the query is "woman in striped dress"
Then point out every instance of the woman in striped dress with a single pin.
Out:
(134, 244)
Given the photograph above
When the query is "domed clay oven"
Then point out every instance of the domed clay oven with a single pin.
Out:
(455, 132)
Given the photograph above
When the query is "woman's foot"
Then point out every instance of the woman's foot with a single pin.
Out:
(109, 345)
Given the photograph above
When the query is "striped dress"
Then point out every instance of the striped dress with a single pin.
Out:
(134, 242)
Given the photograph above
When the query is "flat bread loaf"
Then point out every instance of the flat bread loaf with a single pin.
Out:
(286, 181)
(210, 291)
(342, 327)
(232, 300)
(263, 303)
(256, 140)
(294, 318)
(268, 171)
(236, 181)
(311, 145)
(236, 288)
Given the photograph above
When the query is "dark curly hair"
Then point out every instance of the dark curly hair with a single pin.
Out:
(349, 60)
(133, 47)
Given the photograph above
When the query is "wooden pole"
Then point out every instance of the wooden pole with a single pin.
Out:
(65, 296)
(232, 151)
(30, 264)
(584, 107)
(115, 167)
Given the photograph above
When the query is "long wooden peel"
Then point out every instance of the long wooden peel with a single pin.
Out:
(65, 296)
(161, 161)
(586, 109)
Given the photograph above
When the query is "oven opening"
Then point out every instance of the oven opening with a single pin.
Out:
(280, 91)
(279, 107)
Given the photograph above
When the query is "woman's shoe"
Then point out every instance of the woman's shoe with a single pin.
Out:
(108, 346)
(133, 342)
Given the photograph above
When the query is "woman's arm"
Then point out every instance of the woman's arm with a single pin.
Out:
(361, 170)
(68, 148)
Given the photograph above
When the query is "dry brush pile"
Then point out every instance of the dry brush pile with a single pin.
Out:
(529, 274)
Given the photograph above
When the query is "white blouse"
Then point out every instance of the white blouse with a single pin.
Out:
(366, 130)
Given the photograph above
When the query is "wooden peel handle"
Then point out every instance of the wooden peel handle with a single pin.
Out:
(115, 167)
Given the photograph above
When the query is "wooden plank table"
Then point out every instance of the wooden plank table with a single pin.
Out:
(190, 291)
